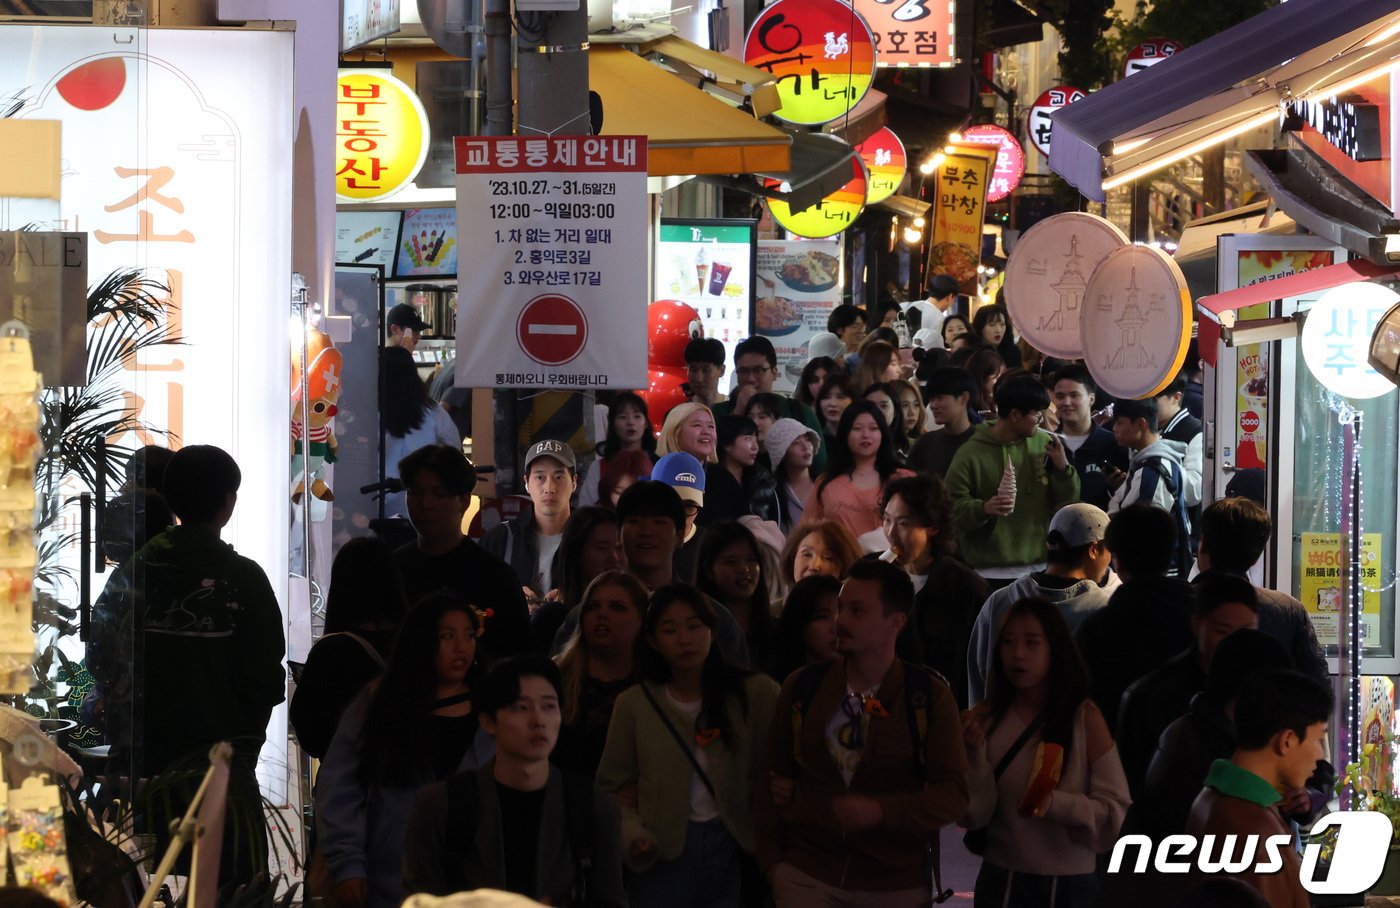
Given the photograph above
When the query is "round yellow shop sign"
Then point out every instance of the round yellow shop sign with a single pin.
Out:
(381, 135)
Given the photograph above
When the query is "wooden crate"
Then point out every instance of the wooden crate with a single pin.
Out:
(167, 13)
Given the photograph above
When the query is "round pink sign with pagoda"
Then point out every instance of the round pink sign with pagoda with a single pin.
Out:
(1136, 322)
(1047, 274)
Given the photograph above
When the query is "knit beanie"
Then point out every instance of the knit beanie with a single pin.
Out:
(782, 434)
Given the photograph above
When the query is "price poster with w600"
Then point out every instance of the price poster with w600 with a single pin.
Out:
(552, 286)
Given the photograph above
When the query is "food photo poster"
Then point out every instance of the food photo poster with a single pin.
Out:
(798, 283)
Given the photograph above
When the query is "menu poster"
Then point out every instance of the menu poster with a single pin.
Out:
(710, 265)
(1321, 585)
(428, 244)
(367, 237)
(1252, 360)
(798, 284)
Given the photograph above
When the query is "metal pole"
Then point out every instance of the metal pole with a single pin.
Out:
(499, 97)
(1350, 624)
(553, 72)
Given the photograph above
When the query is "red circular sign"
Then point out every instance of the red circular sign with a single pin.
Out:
(552, 329)
(820, 51)
(1249, 421)
(1038, 121)
(1011, 160)
(1149, 53)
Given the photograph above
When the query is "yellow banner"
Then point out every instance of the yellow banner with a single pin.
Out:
(960, 202)
(1321, 584)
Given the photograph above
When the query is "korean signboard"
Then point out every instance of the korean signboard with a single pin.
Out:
(367, 238)
(381, 135)
(910, 32)
(709, 265)
(1038, 122)
(363, 21)
(1320, 587)
(1011, 160)
(1252, 361)
(832, 214)
(1337, 338)
(799, 282)
(557, 226)
(821, 52)
(959, 202)
(1148, 54)
(883, 154)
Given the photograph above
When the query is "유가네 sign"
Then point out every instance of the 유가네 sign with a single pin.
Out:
(822, 54)
(885, 161)
(554, 231)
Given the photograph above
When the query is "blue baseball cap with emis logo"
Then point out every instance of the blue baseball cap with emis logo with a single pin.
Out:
(682, 472)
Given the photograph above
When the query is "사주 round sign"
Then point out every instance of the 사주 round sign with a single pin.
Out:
(1336, 338)
(822, 53)
(1048, 274)
(1136, 322)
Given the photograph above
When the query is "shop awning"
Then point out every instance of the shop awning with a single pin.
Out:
(864, 120)
(820, 166)
(688, 132)
(731, 78)
(1219, 309)
(1195, 254)
(906, 206)
(1225, 86)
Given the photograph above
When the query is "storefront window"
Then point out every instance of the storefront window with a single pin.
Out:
(1317, 513)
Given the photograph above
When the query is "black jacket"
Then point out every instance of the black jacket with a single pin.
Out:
(1146, 622)
(479, 577)
(1149, 705)
(938, 631)
(1183, 427)
(1178, 768)
(1088, 462)
(514, 543)
(1286, 620)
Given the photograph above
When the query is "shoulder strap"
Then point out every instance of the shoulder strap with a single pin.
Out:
(809, 680)
(578, 817)
(918, 699)
(1016, 746)
(364, 644)
(680, 742)
(461, 825)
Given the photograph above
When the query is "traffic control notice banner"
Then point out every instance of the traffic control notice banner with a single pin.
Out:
(552, 287)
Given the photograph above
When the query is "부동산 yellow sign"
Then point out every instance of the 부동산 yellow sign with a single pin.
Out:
(381, 135)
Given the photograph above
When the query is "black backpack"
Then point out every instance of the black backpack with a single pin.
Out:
(462, 804)
(918, 700)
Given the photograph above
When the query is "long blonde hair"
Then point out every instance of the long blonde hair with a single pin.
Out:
(669, 442)
(573, 658)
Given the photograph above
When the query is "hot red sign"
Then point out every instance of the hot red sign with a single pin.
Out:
(1011, 160)
(551, 329)
(1038, 120)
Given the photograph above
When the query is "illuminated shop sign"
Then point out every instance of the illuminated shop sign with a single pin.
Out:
(1348, 123)
(381, 135)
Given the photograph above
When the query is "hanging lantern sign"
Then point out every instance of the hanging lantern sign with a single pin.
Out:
(831, 215)
(1149, 53)
(1011, 160)
(1135, 324)
(883, 154)
(381, 138)
(821, 52)
(1038, 120)
(1336, 338)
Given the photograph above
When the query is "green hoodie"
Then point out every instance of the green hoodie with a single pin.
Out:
(973, 477)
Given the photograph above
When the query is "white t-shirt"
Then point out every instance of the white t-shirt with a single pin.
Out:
(1075, 442)
(702, 807)
(548, 545)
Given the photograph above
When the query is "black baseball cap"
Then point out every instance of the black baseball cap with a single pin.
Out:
(405, 316)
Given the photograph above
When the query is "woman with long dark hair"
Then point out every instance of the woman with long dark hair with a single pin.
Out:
(731, 573)
(364, 605)
(879, 362)
(886, 397)
(602, 658)
(813, 374)
(682, 752)
(805, 632)
(629, 429)
(862, 460)
(589, 547)
(986, 367)
(410, 417)
(835, 395)
(1061, 796)
(412, 727)
(991, 325)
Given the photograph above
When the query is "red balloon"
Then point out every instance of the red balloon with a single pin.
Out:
(663, 392)
(670, 326)
(94, 85)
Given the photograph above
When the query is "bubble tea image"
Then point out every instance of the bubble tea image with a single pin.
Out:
(719, 276)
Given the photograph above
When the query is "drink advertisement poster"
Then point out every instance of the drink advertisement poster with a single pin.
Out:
(709, 264)
(1252, 360)
(799, 283)
(1321, 585)
(558, 290)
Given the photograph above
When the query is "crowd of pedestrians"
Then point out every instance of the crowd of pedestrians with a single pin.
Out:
(764, 653)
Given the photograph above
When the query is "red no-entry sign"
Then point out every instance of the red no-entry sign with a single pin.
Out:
(552, 329)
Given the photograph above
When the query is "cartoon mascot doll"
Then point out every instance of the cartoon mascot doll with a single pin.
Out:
(323, 391)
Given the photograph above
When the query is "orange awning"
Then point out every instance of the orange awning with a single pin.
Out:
(688, 131)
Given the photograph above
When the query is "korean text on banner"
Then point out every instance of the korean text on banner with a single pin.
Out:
(1321, 586)
(801, 283)
(556, 231)
(957, 217)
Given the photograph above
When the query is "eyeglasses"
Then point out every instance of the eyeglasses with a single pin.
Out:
(691, 509)
(753, 371)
